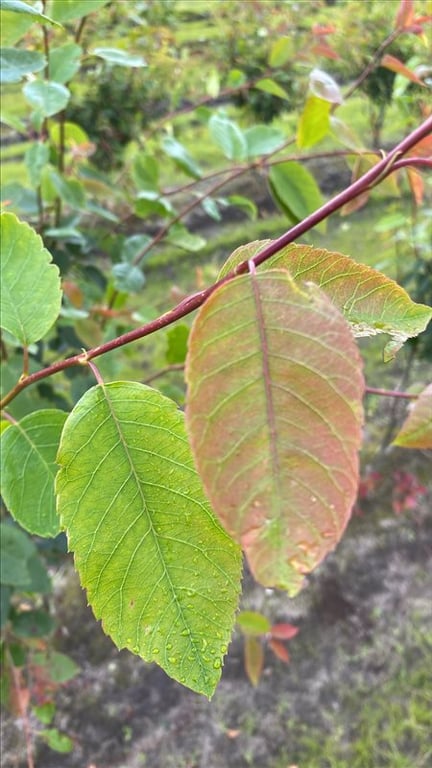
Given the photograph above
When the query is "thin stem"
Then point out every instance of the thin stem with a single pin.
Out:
(23, 710)
(95, 371)
(164, 371)
(25, 361)
(373, 62)
(192, 302)
(390, 393)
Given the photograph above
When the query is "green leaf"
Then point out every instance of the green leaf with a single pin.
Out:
(119, 57)
(371, 302)
(36, 623)
(30, 284)
(274, 414)
(45, 712)
(133, 246)
(71, 191)
(66, 10)
(151, 204)
(183, 159)
(28, 451)
(60, 668)
(262, 139)
(416, 431)
(39, 580)
(145, 172)
(17, 6)
(314, 122)
(128, 278)
(46, 97)
(211, 208)
(64, 62)
(247, 205)
(181, 237)
(57, 741)
(228, 136)
(36, 158)
(16, 550)
(159, 570)
(177, 344)
(271, 86)
(13, 26)
(15, 63)
(295, 190)
(254, 659)
(252, 623)
(281, 52)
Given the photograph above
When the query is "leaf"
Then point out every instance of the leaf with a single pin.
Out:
(405, 14)
(145, 172)
(16, 550)
(371, 302)
(280, 52)
(254, 659)
(57, 741)
(150, 203)
(279, 650)
(263, 139)
(36, 158)
(15, 63)
(66, 10)
(179, 153)
(295, 190)
(211, 208)
(46, 97)
(177, 338)
(323, 86)
(60, 668)
(181, 237)
(17, 6)
(271, 86)
(119, 57)
(159, 570)
(71, 191)
(274, 414)
(283, 631)
(30, 284)
(252, 623)
(28, 451)
(228, 136)
(133, 246)
(31, 624)
(64, 62)
(314, 123)
(416, 431)
(395, 65)
(128, 278)
(248, 206)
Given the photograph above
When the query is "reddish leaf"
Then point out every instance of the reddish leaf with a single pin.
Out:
(422, 149)
(405, 14)
(392, 63)
(274, 414)
(254, 659)
(416, 431)
(280, 650)
(321, 30)
(324, 49)
(283, 631)
(416, 183)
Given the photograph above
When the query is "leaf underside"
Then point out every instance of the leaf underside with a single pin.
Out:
(160, 571)
(274, 414)
(371, 302)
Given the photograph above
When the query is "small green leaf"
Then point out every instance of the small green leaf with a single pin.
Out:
(36, 623)
(274, 414)
(57, 741)
(28, 451)
(247, 205)
(28, 280)
(177, 344)
(152, 204)
(46, 97)
(228, 136)
(45, 712)
(133, 246)
(64, 62)
(263, 139)
(252, 623)
(36, 158)
(183, 159)
(145, 172)
(66, 10)
(181, 237)
(39, 580)
(60, 668)
(159, 570)
(30, 284)
(314, 122)
(281, 52)
(119, 57)
(128, 278)
(17, 6)
(16, 550)
(15, 63)
(254, 659)
(295, 190)
(416, 431)
(271, 86)
(211, 207)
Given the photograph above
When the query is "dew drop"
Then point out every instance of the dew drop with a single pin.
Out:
(185, 632)
(217, 664)
(223, 649)
(155, 651)
(168, 646)
(172, 659)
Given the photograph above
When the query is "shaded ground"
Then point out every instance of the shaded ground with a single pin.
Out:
(357, 694)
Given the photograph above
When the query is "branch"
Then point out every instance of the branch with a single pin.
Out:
(390, 393)
(192, 302)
